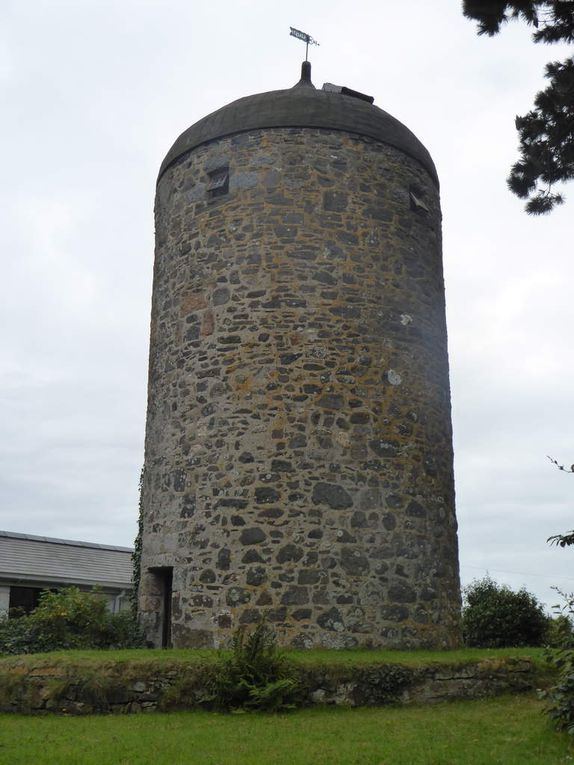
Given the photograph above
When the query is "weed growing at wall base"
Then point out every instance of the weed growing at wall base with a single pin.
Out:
(255, 676)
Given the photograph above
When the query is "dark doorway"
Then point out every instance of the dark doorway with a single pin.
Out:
(166, 627)
(165, 581)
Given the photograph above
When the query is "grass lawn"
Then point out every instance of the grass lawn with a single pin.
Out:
(314, 657)
(510, 730)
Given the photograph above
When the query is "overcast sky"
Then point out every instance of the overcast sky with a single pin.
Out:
(94, 92)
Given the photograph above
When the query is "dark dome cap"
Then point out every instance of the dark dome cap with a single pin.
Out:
(305, 107)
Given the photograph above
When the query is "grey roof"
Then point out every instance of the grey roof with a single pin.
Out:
(63, 561)
(301, 106)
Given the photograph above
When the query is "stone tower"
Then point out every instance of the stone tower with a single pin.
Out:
(298, 448)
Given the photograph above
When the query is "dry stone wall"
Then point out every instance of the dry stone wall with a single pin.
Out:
(298, 448)
(125, 687)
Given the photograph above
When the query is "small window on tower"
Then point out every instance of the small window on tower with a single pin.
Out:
(417, 202)
(218, 183)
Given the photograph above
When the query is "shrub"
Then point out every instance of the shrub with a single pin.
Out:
(560, 697)
(124, 631)
(494, 616)
(18, 635)
(560, 633)
(69, 619)
(255, 676)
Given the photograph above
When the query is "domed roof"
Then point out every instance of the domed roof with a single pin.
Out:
(302, 106)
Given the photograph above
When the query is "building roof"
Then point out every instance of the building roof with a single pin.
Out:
(62, 561)
(302, 106)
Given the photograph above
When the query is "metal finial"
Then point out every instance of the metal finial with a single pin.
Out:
(307, 39)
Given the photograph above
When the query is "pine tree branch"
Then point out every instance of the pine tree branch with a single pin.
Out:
(546, 133)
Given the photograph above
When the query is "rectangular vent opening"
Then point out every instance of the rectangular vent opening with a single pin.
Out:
(416, 198)
(218, 183)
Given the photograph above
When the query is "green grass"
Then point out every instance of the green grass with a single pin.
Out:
(508, 730)
(412, 658)
(102, 656)
(315, 657)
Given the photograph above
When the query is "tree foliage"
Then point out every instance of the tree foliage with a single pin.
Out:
(494, 616)
(546, 133)
(562, 540)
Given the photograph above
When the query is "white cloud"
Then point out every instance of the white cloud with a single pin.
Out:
(94, 94)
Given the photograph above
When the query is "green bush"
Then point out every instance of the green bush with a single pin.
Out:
(560, 697)
(494, 616)
(18, 635)
(255, 676)
(69, 619)
(560, 633)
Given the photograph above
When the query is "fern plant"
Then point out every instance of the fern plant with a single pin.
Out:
(256, 676)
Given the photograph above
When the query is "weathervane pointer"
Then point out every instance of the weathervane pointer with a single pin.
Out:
(307, 39)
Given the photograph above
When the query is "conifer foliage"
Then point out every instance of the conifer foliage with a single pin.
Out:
(546, 133)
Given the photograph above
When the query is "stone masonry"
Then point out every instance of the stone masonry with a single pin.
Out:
(299, 448)
(124, 687)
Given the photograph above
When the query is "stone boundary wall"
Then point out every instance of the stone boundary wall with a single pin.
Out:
(131, 688)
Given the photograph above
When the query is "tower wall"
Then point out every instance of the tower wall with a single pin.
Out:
(298, 449)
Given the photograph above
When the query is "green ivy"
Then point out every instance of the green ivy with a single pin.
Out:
(137, 553)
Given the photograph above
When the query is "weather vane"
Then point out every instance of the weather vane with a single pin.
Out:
(307, 39)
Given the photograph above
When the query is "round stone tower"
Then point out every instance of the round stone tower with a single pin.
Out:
(299, 458)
